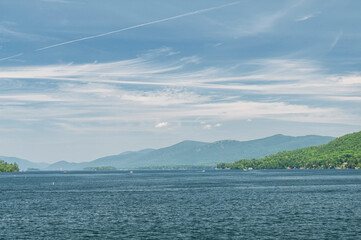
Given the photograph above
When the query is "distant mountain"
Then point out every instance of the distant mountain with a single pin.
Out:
(228, 149)
(343, 152)
(199, 153)
(24, 164)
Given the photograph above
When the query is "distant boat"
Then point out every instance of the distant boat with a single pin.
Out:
(203, 170)
(131, 172)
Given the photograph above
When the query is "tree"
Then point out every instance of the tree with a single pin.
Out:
(8, 167)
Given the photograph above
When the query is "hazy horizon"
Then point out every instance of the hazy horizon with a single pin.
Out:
(147, 148)
(79, 81)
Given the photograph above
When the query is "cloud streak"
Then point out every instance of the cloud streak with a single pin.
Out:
(13, 56)
(335, 41)
(142, 91)
(304, 18)
(139, 26)
(270, 77)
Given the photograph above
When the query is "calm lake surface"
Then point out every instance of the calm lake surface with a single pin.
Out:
(265, 204)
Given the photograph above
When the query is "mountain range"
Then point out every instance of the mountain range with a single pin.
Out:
(187, 153)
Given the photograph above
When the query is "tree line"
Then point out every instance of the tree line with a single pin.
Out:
(343, 152)
(8, 167)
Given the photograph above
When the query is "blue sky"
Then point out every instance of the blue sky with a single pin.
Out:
(85, 79)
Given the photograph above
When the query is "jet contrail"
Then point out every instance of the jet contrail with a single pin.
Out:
(13, 56)
(138, 26)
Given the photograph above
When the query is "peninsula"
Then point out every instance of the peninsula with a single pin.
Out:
(8, 167)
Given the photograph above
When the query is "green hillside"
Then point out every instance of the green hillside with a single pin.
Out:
(343, 152)
(8, 167)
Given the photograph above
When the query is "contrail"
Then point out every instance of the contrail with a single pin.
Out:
(13, 56)
(138, 26)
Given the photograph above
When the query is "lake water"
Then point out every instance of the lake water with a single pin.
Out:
(265, 204)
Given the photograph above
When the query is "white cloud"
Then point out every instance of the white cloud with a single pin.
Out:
(95, 72)
(162, 98)
(161, 125)
(192, 59)
(345, 98)
(142, 91)
(298, 75)
(31, 98)
(351, 79)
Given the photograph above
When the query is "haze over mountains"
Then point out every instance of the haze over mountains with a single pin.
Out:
(191, 153)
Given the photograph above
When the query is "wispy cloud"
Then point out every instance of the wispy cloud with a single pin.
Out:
(30, 98)
(335, 41)
(304, 18)
(163, 98)
(144, 91)
(272, 76)
(262, 23)
(8, 29)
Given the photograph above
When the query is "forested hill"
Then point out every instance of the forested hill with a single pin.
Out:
(343, 152)
(8, 167)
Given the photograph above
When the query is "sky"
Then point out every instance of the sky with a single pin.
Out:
(81, 80)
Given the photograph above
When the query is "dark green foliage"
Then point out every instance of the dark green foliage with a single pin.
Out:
(343, 152)
(8, 167)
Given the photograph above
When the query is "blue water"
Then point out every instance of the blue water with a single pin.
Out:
(265, 204)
